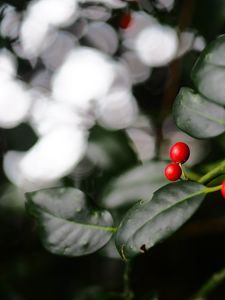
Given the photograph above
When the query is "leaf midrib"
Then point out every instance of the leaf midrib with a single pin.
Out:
(91, 226)
(220, 122)
(163, 211)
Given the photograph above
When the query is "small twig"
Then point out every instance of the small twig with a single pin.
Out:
(213, 173)
(128, 293)
(210, 285)
(174, 74)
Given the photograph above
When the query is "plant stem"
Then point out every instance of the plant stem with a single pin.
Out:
(213, 173)
(212, 189)
(128, 293)
(210, 285)
(183, 175)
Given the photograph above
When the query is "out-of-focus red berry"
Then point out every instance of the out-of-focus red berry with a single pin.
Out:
(125, 21)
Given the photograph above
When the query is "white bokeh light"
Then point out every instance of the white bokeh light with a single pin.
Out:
(122, 78)
(103, 37)
(96, 13)
(12, 170)
(109, 3)
(138, 71)
(117, 110)
(8, 64)
(140, 21)
(34, 36)
(54, 155)
(41, 17)
(47, 115)
(165, 4)
(54, 55)
(9, 26)
(15, 102)
(85, 76)
(156, 45)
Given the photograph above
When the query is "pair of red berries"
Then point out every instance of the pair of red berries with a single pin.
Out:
(179, 153)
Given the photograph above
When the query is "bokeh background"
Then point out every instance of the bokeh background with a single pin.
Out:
(86, 92)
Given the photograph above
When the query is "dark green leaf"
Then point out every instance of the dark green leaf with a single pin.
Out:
(201, 113)
(197, 116)
(209, 80)
(209, 72)
(138, 183)
(68, 224)
(149, 222)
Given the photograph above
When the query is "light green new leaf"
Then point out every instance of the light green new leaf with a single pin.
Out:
(68, 224)
(137, 183)
(149, 222)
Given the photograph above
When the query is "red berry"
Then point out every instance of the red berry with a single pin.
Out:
(179, 152)
(223, 189)
(173, 172)
(125, 21)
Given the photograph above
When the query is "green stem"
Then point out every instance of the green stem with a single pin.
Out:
(128, 293)
(210, 285)
(183, 175)
(213, 189)
(213, 173)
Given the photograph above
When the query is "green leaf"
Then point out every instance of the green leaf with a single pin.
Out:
(197, 116)
(201, 113)
(68, 224)
(208, 73)
(138, 183)
(149, 222)
(209, 80)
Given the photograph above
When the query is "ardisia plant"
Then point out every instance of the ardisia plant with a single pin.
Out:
(69, 223)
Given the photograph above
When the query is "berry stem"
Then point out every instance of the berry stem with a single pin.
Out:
(210, 285)
(213, 173)
(184, 175)
(189, 175)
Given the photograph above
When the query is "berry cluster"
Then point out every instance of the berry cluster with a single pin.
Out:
(179, 154)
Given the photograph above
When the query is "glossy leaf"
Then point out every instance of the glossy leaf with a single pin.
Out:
(209, 80)
(197, 116)
(135, 184)
(149, 222)
(68, 223)
(209, 71)
(201, 113)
